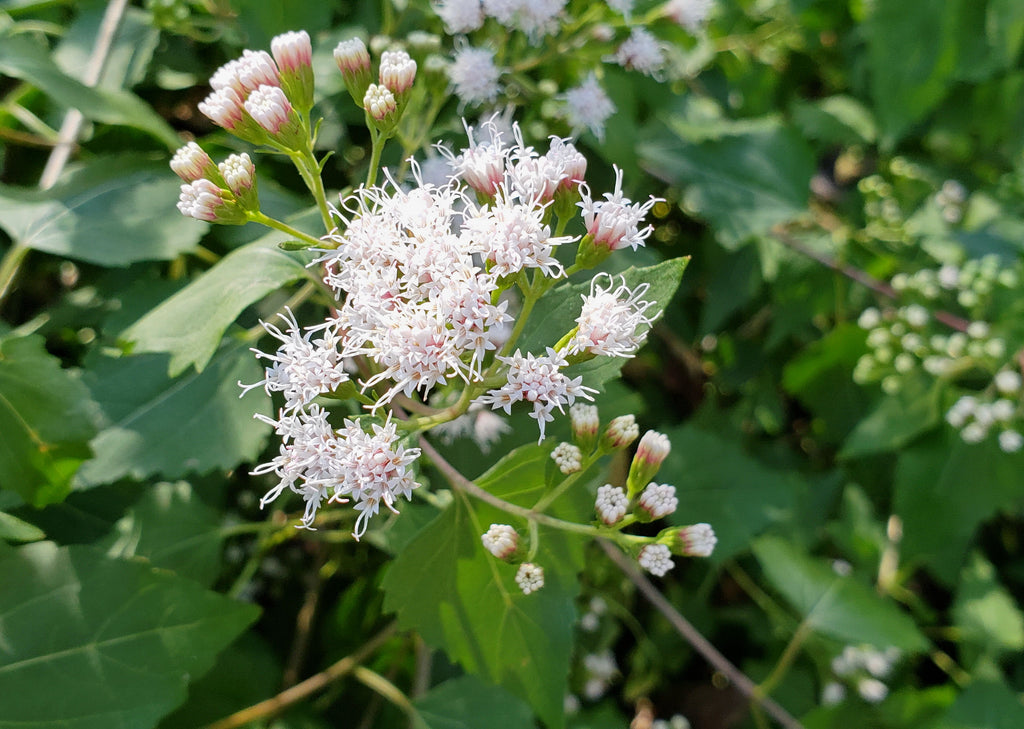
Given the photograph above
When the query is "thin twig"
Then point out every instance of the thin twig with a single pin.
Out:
(863, 278)
(311, 685)
(701, 644)
(72, 125)
(304, 624)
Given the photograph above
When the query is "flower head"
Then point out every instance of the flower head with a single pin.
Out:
(615, 221)
(568, 458)
(460, 16)
(656, 559)
(501, 540)
(529, 577)
(293, 53)
(658, 500)
(640, 52)
(609, 321)
(474, 76)
(587, 106)
(611, 504)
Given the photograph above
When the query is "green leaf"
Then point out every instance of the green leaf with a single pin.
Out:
(22, 58)
(171, 528)
(985, 704)
(944, 488)
(111, 212)
(447, 587)
(469, 703)
(13, 529)
(46, 421)
(718, 483)
(194, 423)
(555, 315)
(897, 419)
(835, 120)
(91, 642)
(743, 184)
(839, 607)
(985, 612)
(191, 323)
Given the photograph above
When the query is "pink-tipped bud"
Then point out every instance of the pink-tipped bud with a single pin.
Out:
(611, 504)
(397, 72)
(657, 500)
(225, 108)
(380, 104)
(226, 77)
(192, 163)
(354, 63)
(585, 423)
(274, 113)
(239, 174)
(650, 454)
(257, 68)
(696, 540)
(294, 55)
(501, 540)
(622, 431)
(203, 200)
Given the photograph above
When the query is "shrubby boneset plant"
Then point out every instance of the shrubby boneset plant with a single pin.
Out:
(430, 288)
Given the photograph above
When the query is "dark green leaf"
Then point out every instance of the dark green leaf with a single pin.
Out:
(897, 419)
(985, 612)
(469, 703)
(120, 644)
(111, 212)
(944, 488)
(987, 704)
(171, 528)
(191, 323)
(717, 483)
(46, 418)
(446, 586)
(194, 423)
(743, 184)
(839, 607)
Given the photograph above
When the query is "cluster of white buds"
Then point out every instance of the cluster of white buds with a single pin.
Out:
(862, 667)
(951, 199)
(567, 457)
(912, 342)
(384, 101)
(529, 577)
(973, 284)
(599, 670)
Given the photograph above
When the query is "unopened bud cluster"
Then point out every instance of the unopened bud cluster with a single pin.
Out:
(912, 342)
(385, 100)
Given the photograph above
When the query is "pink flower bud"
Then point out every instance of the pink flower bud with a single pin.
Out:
(294, 55)
(239, 174)
(192, 163)
(203, 200)
(650, 454)
(380, 104)
(271, 109)
(397, 71)
(501, 540)
(622, 431)
(257, 68)
(658, 500)
(354, 63)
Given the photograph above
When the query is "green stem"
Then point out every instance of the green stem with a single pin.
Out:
(785, 660)
(572, 478)
(9, 266)
(377, 141)
(259, 217)
(383, 687)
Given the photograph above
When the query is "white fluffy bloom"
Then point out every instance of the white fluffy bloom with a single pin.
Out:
(691, 14)
(832, 693)
(485, 427)
(872, 690)
(302, 367)
(615, 221)
(460, 16)
(567, 457)
(611, 504)
(474, 76)
(511, 236)
(319, 463)
(641, 52)
(1010, 441)
(538, 380)
(609, 319)
(587, 106)
(1007, 381)
(656, 559)
(533, 17)
(501, 540)
(529, 577)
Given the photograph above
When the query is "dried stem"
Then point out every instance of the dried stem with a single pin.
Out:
(311, 685)
(692, 636)
(863, 278)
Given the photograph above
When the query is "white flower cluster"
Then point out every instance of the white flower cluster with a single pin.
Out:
(863, 667)
(659, 500)
(611, 504)
(567, 457)
(529, 577)
(600, 669)
(610, 318)
(975, 417)
(656, 559)
(973, 284)
(320, 464)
